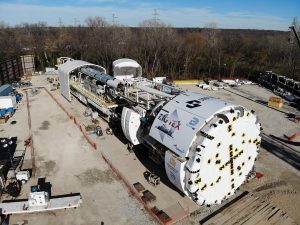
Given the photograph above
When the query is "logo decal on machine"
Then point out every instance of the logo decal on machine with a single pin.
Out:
(196, 103)
(193, 122)
(170, 123)
(193, 104)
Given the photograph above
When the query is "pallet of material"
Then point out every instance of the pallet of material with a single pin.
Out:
(139, 187)
(275, 102)
(148, 196)
(4, 119)
(163, 216)
(9, 114)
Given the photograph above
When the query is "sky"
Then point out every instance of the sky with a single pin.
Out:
(236, 14)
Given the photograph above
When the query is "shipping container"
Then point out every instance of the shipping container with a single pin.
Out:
(7, 102)
(5, 90)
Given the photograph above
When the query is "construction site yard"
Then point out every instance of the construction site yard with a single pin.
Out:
(103, 174)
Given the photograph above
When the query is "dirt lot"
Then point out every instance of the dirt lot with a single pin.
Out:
(70, 164)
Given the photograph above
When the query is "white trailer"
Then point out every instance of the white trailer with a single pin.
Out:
(7, 102)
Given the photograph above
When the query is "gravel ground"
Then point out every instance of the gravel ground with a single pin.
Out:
(67, 161)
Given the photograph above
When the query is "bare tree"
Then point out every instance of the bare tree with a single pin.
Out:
(210, 32)
(158, 47)
(96, 22)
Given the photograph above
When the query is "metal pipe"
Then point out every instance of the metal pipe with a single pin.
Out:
(154, 91)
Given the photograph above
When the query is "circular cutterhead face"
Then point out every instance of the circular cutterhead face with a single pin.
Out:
(227, 149)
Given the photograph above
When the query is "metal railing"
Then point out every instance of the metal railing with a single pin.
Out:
(96, 99)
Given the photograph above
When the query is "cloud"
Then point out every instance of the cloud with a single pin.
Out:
(178, 17)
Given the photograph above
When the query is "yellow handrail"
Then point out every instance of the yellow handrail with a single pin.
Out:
(98, 100)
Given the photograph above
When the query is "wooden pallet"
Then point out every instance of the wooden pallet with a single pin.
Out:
(250, 210)
(139, 187)
(148, 196)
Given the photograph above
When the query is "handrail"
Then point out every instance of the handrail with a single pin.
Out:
(98, 100)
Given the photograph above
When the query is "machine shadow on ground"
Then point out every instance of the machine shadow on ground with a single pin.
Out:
(283, 140)
(142, 155)
(283, 152)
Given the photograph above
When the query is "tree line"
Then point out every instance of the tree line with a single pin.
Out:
(162, 50)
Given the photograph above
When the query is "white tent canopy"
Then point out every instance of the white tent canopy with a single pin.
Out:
(125, 66)
(64, 74)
